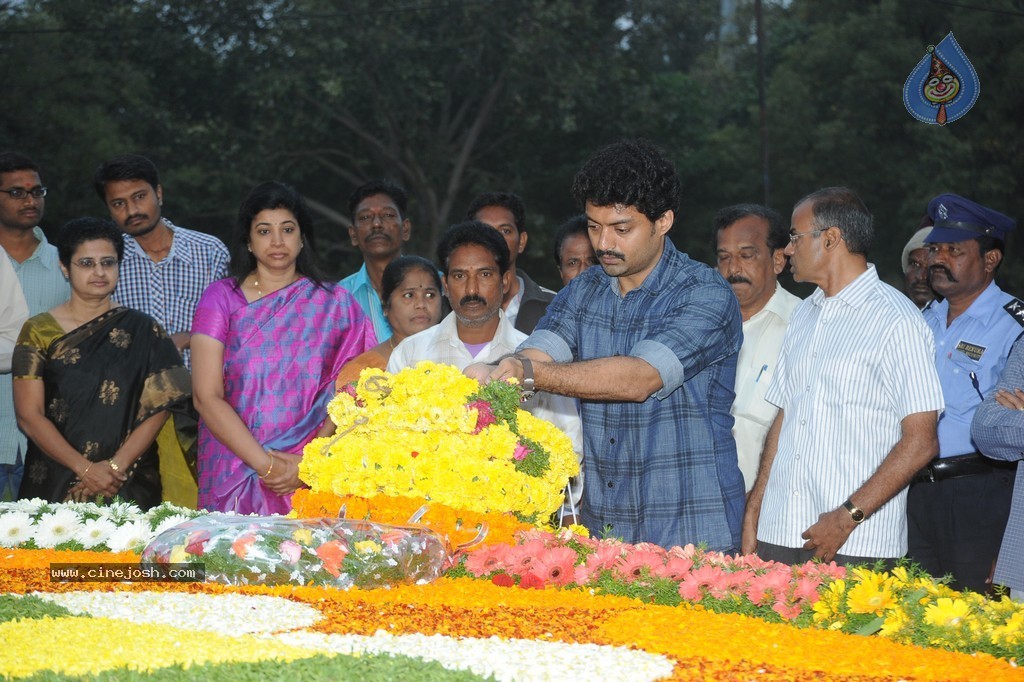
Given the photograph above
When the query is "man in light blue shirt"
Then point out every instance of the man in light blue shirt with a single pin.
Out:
(379, 228)
(22, 203)
(959, 503)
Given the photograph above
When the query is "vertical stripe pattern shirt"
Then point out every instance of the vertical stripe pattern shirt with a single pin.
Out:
(852, 367)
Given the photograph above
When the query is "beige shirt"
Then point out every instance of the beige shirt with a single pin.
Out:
(762, 341)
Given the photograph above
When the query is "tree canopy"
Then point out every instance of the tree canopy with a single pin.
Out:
(454, 97)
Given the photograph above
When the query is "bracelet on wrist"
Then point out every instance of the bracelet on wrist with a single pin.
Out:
(113, 465)
(270, 468)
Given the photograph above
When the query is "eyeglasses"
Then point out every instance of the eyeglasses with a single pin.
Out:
(793, 236)
(385, 218)
(91, 263)
(19, 193)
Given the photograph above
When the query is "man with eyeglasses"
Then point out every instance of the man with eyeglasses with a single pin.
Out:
(959, 502)
(526, 301)
(858, 400)
(379, 229)
(37, 267)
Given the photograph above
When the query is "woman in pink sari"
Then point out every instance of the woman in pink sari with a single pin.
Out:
(267, 343)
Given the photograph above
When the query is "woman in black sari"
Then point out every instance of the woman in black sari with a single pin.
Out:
(93, 381)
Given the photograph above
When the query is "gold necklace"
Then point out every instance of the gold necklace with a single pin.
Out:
(256, 286)
(392, 340)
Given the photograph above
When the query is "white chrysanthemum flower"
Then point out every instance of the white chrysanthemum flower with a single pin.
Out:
(169, 522)
(15, 528)
(123, 512)
(57, 527)
(131, 536)
(95, 532)
(34, 506)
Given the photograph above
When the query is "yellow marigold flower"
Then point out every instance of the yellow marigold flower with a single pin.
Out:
(946, 612)
(577, 529)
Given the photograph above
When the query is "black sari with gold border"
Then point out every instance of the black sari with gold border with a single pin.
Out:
(101, 381)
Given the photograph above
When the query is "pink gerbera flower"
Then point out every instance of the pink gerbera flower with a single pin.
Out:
(604, 556)
(487, 559)
(675, 568)
(520, 559)
(650, 547)
(555, 566)
(631, 567)
(788, 611)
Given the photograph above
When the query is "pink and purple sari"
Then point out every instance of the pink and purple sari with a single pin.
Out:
(281, 356)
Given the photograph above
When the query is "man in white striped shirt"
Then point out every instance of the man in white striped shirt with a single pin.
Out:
(858, 399)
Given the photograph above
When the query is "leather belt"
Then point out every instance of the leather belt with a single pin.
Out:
(974, 464)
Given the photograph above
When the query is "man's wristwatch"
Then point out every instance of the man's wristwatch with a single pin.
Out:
(528, 383)
(856, 514)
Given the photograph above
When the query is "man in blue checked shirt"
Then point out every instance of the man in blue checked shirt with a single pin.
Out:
(998, 429)
(648, 343)
(166, 269)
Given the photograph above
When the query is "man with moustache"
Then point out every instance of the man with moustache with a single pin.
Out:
(476, 275)
(166, 268)
(648, 343)
(959, 503)
(915, 267)
(858, 401)
(749, 244)
(38, 282)
(379, 229)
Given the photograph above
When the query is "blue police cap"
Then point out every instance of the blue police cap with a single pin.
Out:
(958, 219)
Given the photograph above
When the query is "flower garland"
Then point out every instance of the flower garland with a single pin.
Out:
(702, 645)
(430, 432)
(904, 605)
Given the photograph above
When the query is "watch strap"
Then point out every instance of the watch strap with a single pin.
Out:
(528, 382)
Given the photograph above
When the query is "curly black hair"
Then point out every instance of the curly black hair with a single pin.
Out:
(628, 173)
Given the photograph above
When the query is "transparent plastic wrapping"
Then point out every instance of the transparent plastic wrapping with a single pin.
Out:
(277, 550)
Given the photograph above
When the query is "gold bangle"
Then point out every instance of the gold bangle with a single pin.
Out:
(113, 465)
(267, 475)
(86, 472)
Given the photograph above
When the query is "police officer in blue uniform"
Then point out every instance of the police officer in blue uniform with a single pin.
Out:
(958, 505)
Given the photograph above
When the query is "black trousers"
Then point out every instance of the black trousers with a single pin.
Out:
(955, 526)
(796, 555)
